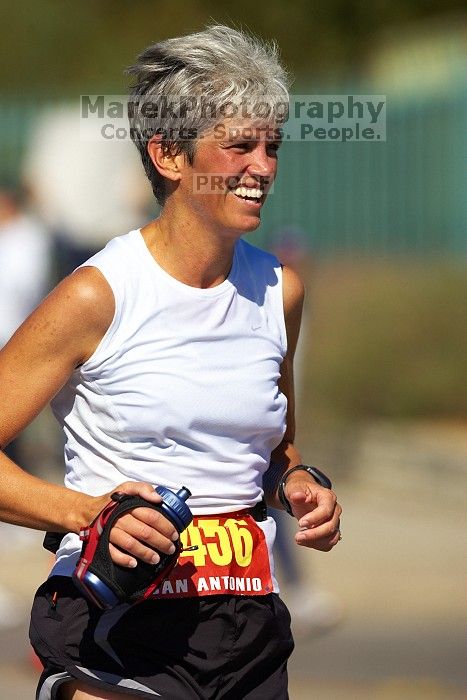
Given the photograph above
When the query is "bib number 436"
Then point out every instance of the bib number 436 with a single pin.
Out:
(222, 541)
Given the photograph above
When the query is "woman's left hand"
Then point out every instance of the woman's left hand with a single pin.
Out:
(317, 511)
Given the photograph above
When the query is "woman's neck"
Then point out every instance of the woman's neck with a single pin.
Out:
(188, 250)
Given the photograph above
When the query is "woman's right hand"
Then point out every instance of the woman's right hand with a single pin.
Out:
(137, 533)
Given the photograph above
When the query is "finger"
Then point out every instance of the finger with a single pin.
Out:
(308, 536)
(137, 549)
(156, 522)
(157, 537)
(325, 510)
(311, 538)
(140, 488)
(300, 493)
(323, 544)
(122, 558)
(326, 544)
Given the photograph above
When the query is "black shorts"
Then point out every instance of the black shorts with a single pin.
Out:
(222, 646)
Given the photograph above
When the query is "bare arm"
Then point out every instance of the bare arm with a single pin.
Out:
(315, 507)
(286, 454)
(62, 333)
(58, 336)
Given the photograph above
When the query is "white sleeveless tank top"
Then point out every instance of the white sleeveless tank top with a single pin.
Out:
(183, 387)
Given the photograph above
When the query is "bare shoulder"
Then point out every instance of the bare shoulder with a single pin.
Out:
(86, 285)
(293, 291)
(84, 299)
(62, 333)
(89, 293)
(69, 323)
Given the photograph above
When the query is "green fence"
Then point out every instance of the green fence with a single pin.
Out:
(407, 194)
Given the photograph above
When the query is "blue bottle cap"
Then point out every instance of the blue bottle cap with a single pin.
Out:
(175, 507)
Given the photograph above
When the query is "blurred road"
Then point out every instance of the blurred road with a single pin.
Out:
(399, 571)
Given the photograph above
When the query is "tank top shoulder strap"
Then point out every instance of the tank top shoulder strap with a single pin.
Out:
(261, 277)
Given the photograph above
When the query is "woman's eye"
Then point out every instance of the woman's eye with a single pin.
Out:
(246, 146)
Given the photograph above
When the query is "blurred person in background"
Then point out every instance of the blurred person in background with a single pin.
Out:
(85, 191)
(169, 358)
(24, 279)
(24, 269)
(314, 611)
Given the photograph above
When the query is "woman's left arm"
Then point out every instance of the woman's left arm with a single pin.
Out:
(314, 506)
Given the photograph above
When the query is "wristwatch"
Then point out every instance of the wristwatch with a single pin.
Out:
(317, 475)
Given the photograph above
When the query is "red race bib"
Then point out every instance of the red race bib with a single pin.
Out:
(224, 553)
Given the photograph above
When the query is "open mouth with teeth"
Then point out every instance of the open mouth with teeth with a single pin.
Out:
(248, 194)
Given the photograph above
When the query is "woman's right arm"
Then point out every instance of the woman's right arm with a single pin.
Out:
(58, 336)
(61, 334)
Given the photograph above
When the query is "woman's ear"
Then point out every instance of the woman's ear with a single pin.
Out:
(167, 164)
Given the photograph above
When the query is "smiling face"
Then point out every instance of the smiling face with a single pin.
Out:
(233, 168)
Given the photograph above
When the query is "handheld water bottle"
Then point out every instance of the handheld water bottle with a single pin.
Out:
(107, 584)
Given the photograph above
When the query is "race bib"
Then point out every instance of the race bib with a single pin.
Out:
(224, 553)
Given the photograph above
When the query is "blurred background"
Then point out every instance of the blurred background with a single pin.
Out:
(379, 231)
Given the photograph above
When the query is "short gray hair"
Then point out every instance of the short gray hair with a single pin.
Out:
(184, 85)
